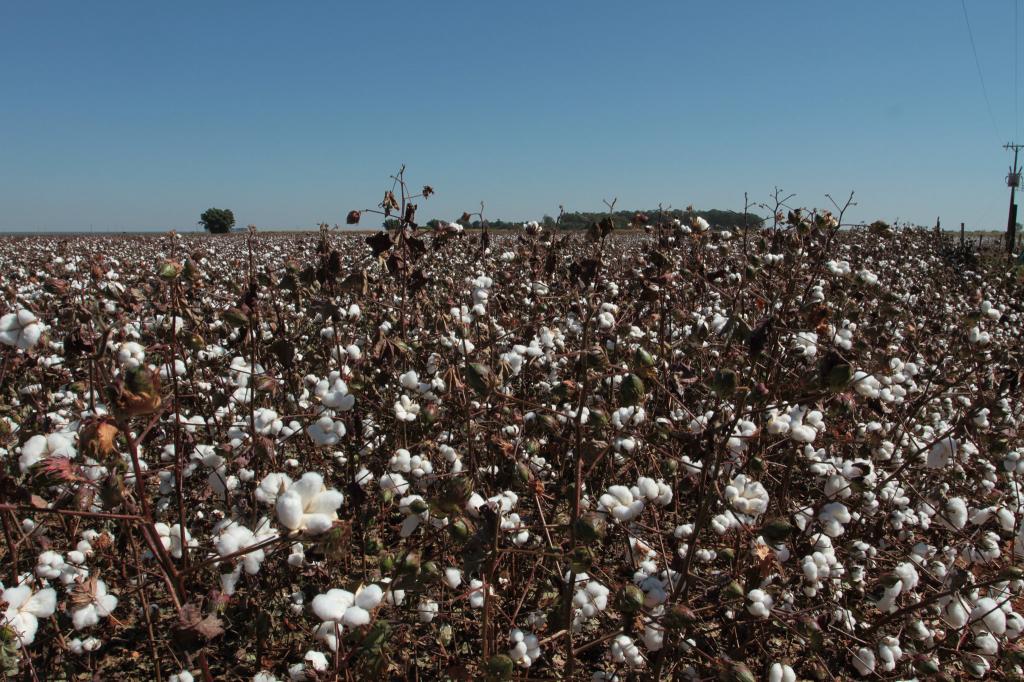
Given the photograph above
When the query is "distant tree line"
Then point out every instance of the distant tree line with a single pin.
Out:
(581, 220)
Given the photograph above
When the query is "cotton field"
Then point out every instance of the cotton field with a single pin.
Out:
(671, 452)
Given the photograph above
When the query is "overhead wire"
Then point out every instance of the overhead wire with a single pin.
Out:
(977, 64)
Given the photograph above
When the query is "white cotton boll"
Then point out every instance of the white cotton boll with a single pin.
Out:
(20, 329)
(49, 565)
(355, 616)
(24, 609)
(986, 643)
(955, 512)
(908, 576)
(364, 477)
(942, 453)
(986, 616)
(313, 661)
(452, 577)
(781, 672)
(80, 647)
(394, 482)
(525, 648)
(183, 676)
(803, 433)
(131, 355)
(100, 605)
(833, 516)
(623, 650)
(889, 653)
(864, 661)
(331, 605)
(290, 510)
(427, 610)
(326, 432)
(405, 409)
(747, 496)
(333, 393)
(955, 614)
(476, 594)
(369, 597)
(271, 486)
(760, 603)
(620, 503)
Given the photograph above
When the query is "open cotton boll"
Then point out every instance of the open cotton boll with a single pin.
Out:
(620, 503)
(94, 603)
(781, 672)
(314, 661)
(864, 661)
(942, 453)
(271, 486)
(308, 505)
(623, 650)
(987, 616)
(20, 329)
(525, 648)
(341, 607)
(325, 431)
(761, 603)
(426, 610)
(452, 577)
(746, 496)
(406, 410)
(333, 393)
(23, 610)
(476, 593)
(39, 447)
(131, 354)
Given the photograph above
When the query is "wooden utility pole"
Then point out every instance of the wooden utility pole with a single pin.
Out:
(961, 234)
(1013, 181)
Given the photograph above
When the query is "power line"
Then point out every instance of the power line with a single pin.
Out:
(977, 63)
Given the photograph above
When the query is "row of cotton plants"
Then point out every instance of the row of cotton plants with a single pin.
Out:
(672, 452)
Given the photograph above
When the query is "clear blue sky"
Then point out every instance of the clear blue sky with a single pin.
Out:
(139, 115)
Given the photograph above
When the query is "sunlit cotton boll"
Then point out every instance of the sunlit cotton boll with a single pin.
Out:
(95, 603)
(20, 329)
(761, 603)
(746, 496)
(781, 672)
(406, 410)
(23, 610)
(525, 648)
(308, 505)
(38, 448)
(620, 503)
(325, 431)
(864, 661)
(131, 354)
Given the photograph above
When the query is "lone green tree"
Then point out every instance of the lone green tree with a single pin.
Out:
(217, 220)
